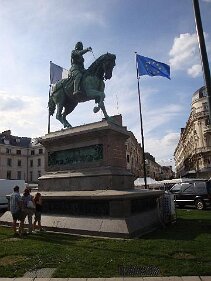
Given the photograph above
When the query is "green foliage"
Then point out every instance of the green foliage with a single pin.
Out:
(183, 248)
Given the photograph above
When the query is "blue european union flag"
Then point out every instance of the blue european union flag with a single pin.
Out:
(147, 66)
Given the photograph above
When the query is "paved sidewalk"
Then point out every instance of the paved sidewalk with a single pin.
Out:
(171, 278)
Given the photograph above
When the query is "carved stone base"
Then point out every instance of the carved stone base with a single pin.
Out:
(88, 157)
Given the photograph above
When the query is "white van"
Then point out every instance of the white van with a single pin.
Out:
(6, 188)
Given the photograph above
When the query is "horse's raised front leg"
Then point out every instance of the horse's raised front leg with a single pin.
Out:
(99, 96)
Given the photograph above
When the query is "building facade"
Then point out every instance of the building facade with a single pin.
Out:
(193, 152)
(36, 162)
(20, 158)
(134, 156)
(155, 171)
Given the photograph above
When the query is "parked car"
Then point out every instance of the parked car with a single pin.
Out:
(196, 193)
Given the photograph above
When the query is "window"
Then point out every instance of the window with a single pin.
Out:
(188, 189)
(8, 150)
(31, 163)
(9, 175)
(18, 152)
(32, 152)
(205, 106)
(128, 158)
(200, 187)
(31, 176)
(38, 162)
(19, 163)
(39, 174)
(19, 175)
(9, 162)
(40, 151)
(207, 121)
(176, 188)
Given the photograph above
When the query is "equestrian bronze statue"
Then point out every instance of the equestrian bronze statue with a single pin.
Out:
(67, 93)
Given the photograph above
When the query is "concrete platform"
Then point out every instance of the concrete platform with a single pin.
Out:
(105, 213)
(105, 227)
(102, 194)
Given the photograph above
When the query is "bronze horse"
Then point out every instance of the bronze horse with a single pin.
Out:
(92, 88)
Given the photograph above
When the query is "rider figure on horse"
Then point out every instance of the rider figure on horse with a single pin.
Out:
(77, 65)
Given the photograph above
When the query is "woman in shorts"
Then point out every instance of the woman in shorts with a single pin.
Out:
(38, 211)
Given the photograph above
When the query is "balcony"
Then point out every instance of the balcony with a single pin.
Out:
(202, 150)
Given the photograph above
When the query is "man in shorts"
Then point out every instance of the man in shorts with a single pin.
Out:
(16, 210)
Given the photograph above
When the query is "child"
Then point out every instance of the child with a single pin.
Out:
(38, 210)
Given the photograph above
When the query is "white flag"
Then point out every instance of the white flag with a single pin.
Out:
(57, 73)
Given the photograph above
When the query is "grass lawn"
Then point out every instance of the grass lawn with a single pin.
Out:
(183, 248)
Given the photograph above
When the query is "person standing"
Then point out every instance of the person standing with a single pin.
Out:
(16, 210)
(38, 210)
(28, 208)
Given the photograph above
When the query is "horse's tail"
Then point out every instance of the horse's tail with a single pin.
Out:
(51, 105)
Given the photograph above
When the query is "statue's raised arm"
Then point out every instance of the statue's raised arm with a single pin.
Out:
(77, 65)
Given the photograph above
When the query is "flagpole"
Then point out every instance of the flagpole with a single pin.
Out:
(142, 130)
(49, 93)
(203, 52)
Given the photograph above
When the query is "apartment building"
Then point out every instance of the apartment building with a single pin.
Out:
(193, 151)
(20, 158)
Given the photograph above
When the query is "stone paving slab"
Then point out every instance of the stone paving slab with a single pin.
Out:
(170, 278)
(61, 279)
(191, 278)
(40, 279)
(154, 279)
(22, 278)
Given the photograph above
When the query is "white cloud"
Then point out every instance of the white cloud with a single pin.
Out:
(166, 145)
(195, 70)
(184, 54)
(160, 116)
(22, 114)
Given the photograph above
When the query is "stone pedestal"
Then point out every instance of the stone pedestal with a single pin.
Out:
(88, 157)
(106, 213)
(87, 188)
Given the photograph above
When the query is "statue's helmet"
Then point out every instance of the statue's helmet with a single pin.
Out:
(79, 46)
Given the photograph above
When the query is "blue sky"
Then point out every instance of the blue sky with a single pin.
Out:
(35, 32)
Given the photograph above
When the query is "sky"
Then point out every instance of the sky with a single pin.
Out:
(33, 33)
